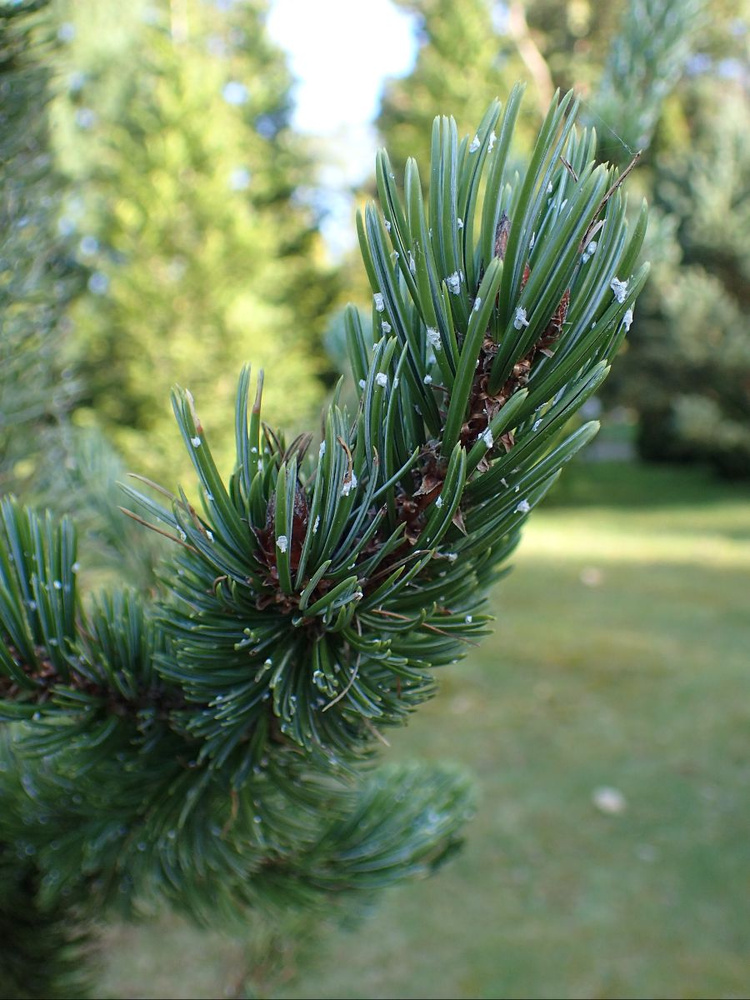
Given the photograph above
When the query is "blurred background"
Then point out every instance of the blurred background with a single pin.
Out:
(195, 178)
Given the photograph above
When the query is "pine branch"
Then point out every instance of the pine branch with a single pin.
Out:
(42, 948)
(219, 735)
(44, 941)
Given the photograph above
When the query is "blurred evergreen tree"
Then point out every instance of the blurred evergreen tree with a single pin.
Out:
(646, 58)
(39, 276)
(687, 370)
(192, 193)
(461, 59)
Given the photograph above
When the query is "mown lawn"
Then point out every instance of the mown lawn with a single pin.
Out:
(621, 661)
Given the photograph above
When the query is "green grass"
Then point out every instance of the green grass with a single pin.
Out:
(620, 659)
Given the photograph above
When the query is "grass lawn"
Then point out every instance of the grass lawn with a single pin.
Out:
(620, 661)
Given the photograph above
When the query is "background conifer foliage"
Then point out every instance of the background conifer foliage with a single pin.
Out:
(39, 275)
(189, 200)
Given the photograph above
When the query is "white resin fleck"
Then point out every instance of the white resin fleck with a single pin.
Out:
(520, 318)
(620, 288)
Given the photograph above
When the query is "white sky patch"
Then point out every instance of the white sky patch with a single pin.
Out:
(340, 52)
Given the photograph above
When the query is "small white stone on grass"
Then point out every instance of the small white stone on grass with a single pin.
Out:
(591, 576)
(460, 704)
(610, 801)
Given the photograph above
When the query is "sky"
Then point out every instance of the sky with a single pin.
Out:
(340, 51)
